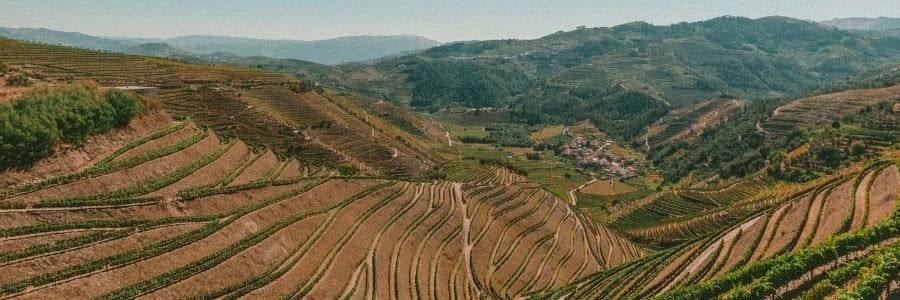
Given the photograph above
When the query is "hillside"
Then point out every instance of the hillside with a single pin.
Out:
(171, 209)
(639, 69)
(792, 240)
(163, 50)
(817, 219)
(776, 134)
(262, 108)
(731, 158)
(72, 39)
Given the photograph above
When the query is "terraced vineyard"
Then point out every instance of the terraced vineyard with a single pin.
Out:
(820, 111)
(248, 184)
(326, 123)
(846, 225)
(689, 122)
(678, 215)
(257, 107)
(65, 63)
(182, 212)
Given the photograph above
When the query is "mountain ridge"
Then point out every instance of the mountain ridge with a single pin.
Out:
(326, 51)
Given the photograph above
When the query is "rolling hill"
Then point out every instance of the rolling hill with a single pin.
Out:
(788, 242)
(625, 77)
(240, 102)
(329, 51)
(183, 212)
(72, 39)
(731, 158)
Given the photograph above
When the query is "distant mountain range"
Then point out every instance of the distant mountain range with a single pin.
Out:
(73, 39)
(330, 51)
(874, 24)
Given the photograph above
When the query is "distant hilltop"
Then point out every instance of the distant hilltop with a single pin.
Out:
(875, 24)
(331, 51)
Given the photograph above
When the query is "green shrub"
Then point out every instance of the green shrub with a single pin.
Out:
(124, 104)
(33, 124)
(347, 170)
(18, 80)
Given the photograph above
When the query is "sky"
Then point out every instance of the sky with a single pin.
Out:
(439, 20)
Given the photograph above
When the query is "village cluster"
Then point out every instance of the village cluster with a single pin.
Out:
(596, 155)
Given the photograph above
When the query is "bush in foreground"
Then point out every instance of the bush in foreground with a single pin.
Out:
(32, 125)
(18, 80)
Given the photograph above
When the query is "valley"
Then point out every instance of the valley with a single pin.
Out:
(731, 158)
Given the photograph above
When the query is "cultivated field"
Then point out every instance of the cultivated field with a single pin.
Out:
(820, 111)
(817, 230)
(685, 124)
(260, 108)
(178, 211)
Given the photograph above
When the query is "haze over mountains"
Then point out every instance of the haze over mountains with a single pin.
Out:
(878, 24)
(330, 51)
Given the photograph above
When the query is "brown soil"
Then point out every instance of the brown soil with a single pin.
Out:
(345, 261)
(260, 168)
(482, 261)
(834, 212)
(9, 93)
(404, 257)
(18, 243)
(293, 169)
(542, 249)
(124, 178)
(110, 280)
(413, 245)
(318, 255)
(156, 144)
(742, 245)
(211, 173)
(227, 202)
(518, 248)
(768, 234)
(606, 187)
(861, 202)
(883, 195)
(432, 251)
(790, 226)
(663, 277)
(216, 204)
(558, 248)
(798, 151)
(68, 159)
(559, 268)
(813, 219)
(254, 261)
(22, 269)
(382, 260)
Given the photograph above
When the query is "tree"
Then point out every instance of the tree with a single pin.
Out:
(829, 155)
(836, 124)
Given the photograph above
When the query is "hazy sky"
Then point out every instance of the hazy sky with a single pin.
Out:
(440, 20)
